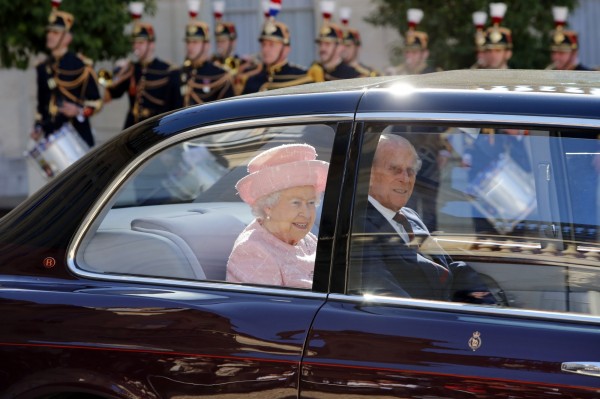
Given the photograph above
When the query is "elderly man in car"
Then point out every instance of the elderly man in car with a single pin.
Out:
(395, 265)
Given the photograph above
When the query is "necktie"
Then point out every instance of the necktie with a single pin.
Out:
(403, 221)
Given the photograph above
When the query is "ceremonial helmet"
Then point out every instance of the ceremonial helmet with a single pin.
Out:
(497, 36)
(562, 39)
(141, 30)
(61, 21)
(351, 36)
(196, 30)
(329, 32)
(479, 20)
(415, 39)
(223, 29)
(273, 29)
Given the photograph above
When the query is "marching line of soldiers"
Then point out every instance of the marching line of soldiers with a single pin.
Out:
(68, 87)
(68, 90)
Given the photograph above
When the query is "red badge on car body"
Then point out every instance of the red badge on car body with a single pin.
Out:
(49, 262)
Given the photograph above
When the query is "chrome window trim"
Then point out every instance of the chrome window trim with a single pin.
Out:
(219, 286)
(465, 308)
(490, 119)
(110, 190)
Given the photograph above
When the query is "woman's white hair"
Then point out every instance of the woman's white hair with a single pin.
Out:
(266, 201)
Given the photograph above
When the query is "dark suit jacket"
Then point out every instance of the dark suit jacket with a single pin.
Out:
(392, 267)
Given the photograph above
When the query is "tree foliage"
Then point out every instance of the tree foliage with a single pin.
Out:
(98, 31)
(451, 31)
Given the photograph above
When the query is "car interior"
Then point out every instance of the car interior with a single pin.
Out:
(526, 222)
(179, 215)
(512, 220)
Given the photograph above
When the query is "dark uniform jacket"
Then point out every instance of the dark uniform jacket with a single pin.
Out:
(204, 83)
(392, 267)
(70, 78)
(153, 88)
(267, 78)
(363, 70)
(578, 67)
(341, 71)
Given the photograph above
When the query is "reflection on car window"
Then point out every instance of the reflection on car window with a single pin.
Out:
(180, 213)
(512, 212)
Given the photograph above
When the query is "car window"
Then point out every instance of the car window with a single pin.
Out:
(179, 213)
(500, 216)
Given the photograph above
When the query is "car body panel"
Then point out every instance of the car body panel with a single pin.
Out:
(391, 349)
(184, 338)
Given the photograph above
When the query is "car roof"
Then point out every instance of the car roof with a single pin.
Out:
(518, 80)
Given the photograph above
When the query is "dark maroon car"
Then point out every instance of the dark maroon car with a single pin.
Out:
(112, 276)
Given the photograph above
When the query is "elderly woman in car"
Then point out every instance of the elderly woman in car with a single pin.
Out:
(283, 187)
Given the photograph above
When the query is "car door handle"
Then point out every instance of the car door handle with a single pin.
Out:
(587, 368)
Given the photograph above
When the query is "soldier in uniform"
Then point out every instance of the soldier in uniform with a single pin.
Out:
(67, 87)
(352, 44)
(275, 71)
(201, 79)
(153, 85)
(226, 40)
(416, 52)
(330, 40)
(479, 20)
(564, 44)
(498, 40)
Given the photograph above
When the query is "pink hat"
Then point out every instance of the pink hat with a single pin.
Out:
(285, 166)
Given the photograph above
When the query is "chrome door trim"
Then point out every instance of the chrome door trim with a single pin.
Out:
(469, 311)
(489, 119)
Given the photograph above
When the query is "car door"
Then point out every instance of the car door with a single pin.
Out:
(153, 314)
(536, 256)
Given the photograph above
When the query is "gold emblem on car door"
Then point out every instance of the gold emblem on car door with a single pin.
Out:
(475, 341)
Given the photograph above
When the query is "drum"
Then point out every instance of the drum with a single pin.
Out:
(504, 194)
(59, 150)
(197, 170)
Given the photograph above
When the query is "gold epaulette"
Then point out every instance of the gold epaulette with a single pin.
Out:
(316, 72)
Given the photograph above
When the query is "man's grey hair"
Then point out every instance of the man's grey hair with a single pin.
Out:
(387, 139)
